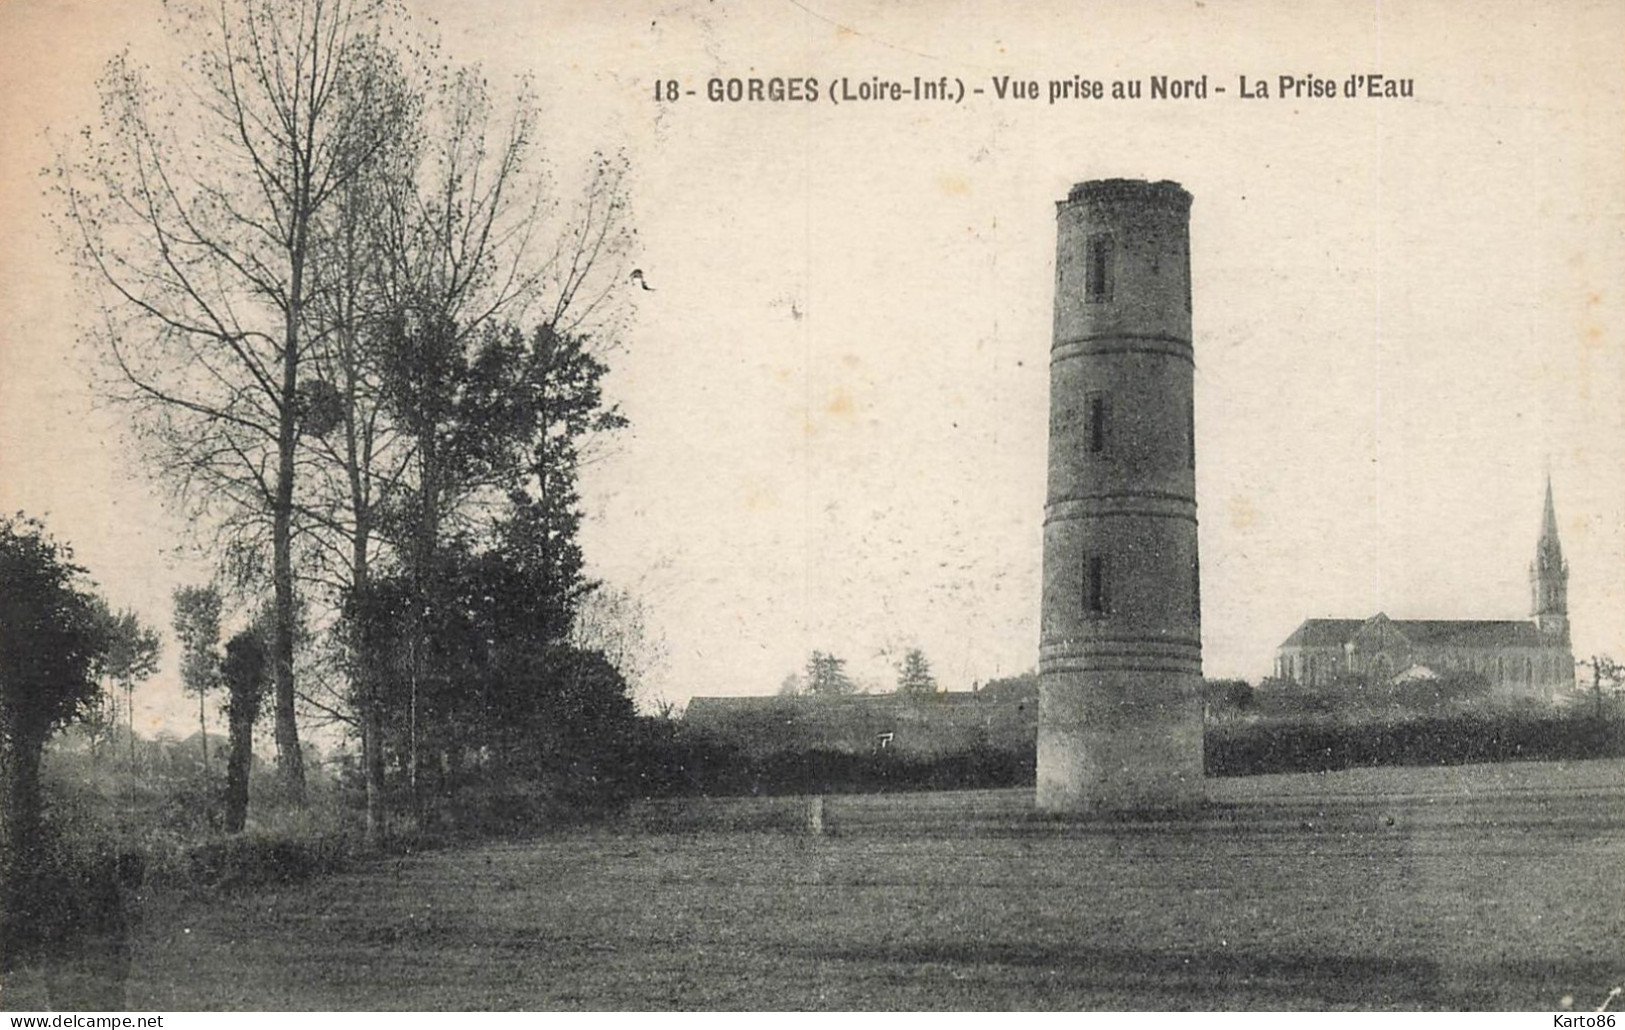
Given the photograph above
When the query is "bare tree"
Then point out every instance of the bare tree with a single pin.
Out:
(357, 459)
(194, 208)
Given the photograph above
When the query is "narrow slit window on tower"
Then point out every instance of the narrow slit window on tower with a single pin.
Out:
(1185, 249)
(1096, 601)
(1196, 589)
(1190, 429)
(1096, 415)
(1098, 280)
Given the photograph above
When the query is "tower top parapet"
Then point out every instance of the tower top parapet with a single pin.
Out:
(1164, 193)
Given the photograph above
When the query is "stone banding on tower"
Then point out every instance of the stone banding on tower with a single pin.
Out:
(1120, 659)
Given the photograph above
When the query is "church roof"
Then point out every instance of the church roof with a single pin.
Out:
(1433, 632)
(1323, 633)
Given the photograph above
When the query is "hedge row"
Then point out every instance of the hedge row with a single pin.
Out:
(820, 771)
(1231, 749)
(1460, 739)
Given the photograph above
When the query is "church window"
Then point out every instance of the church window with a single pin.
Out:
(1098, 274)
(1096, 599)
(1096, 416)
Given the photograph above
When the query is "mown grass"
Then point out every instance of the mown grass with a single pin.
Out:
(1480, 887)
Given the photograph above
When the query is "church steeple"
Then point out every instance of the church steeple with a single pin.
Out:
(1549, 576)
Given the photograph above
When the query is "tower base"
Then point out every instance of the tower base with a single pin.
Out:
(1119, 741)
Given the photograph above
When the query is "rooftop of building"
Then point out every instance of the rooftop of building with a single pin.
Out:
(1427, 632)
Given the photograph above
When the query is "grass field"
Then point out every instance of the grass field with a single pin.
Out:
(1479, 887)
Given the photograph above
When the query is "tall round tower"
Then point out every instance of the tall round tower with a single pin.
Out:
(1120, 656)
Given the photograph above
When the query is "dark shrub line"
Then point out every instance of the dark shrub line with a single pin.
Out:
(1248, 749)
(705, 765)
(718, 770)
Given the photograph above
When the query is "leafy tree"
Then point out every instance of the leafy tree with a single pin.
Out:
(1606, 676)
(914, 674)
(458, 425)
(132, 656)
(244, 670)
(51, 646)
(562, 718)
(826, 676)
(1020, 688)
(509, 702)
(497, 425)
(1222, 699)
(197, 627)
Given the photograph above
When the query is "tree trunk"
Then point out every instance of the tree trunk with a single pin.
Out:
(19, 842)
(240, 720)
(129, 715)
(372, 756)
(203, 732)
(290, 760)
(363, 682)
(426, 543)
(20, 798)
(413, 783)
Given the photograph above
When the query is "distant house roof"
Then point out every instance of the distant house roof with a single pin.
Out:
(739, 703)
(1434, 632)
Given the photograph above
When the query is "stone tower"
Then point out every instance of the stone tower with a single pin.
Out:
(1120, 655)
(1549, 578)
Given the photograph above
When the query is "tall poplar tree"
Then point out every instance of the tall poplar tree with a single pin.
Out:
(194, 210)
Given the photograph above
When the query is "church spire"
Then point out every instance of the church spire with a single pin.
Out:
(1548, 522)
(1549, 575)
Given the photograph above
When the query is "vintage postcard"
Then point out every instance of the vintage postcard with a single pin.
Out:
(814, 505)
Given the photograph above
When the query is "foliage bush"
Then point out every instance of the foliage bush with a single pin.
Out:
(1350, 698)
(252, 859)
(702, 764)
(1307, 738)
(1505, 734)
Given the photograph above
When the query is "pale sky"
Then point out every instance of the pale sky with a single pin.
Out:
(1405, 312)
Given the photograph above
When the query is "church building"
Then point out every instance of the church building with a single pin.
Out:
(1531, 658)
